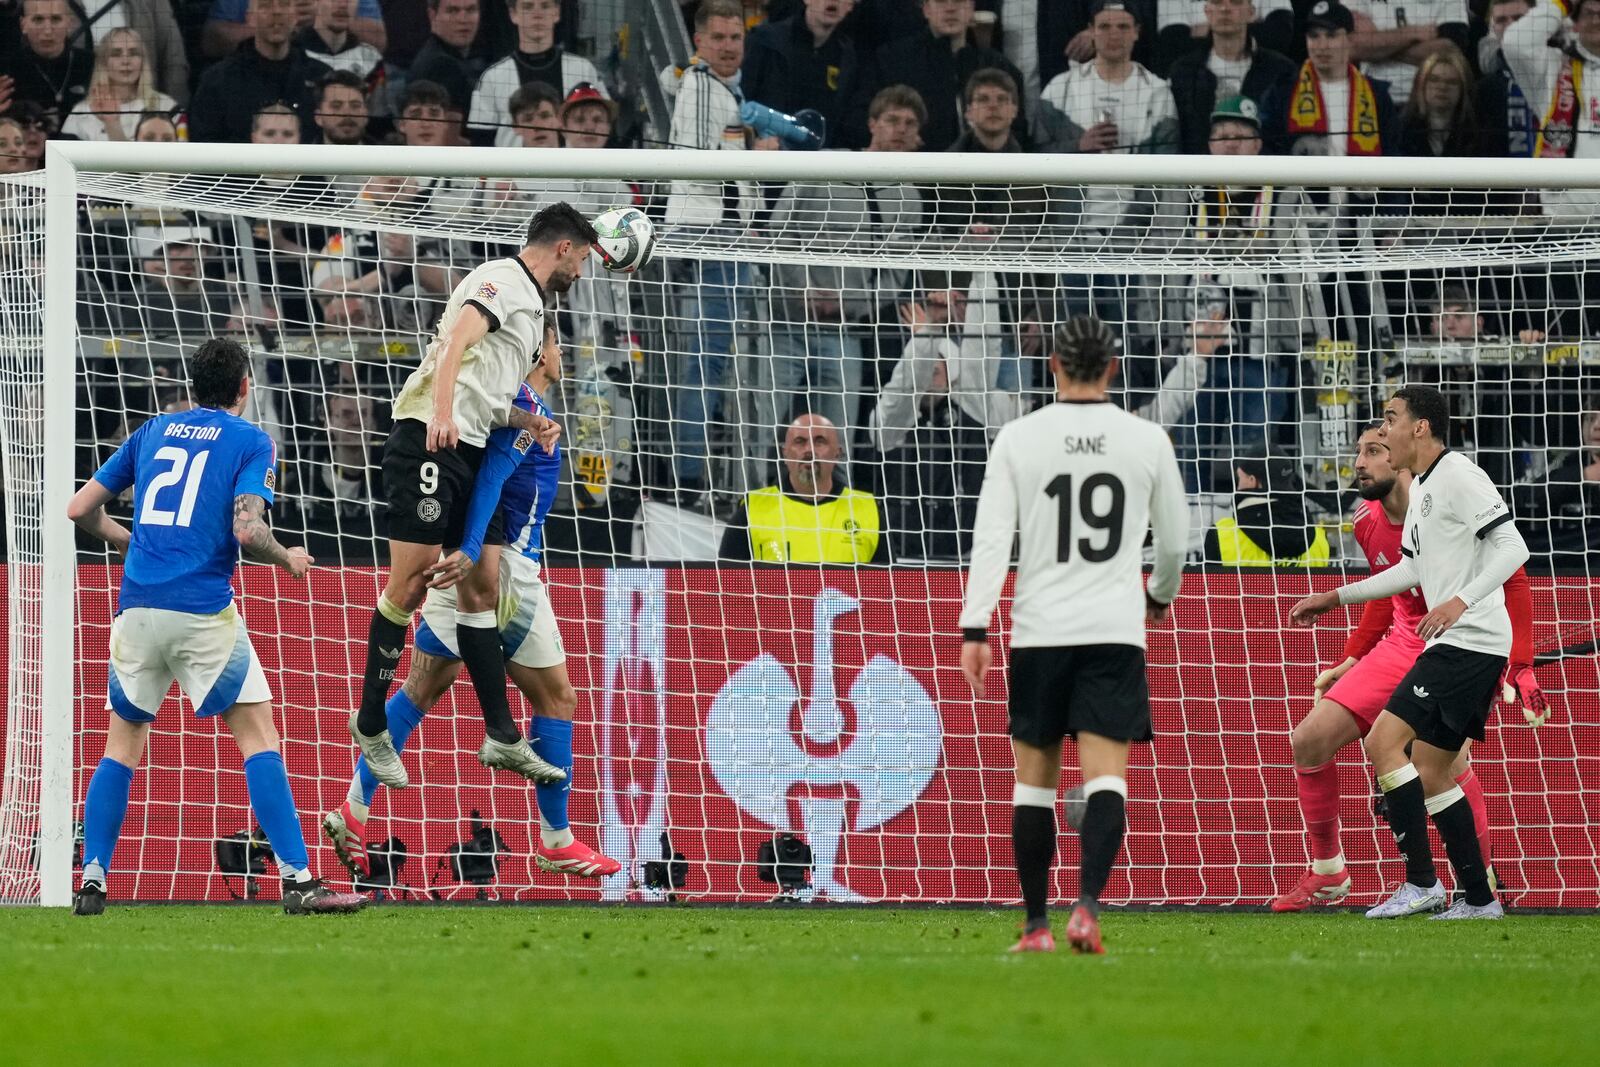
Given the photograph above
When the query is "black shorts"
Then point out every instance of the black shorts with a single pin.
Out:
(427, 491)
(1100, 689)
(1447, 695)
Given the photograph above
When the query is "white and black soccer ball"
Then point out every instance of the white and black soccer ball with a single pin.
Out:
(627, 239)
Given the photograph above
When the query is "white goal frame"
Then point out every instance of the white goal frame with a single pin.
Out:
(66, 161)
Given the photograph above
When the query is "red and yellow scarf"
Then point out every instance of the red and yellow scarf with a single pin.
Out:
(1561, 121)
(1308, 115)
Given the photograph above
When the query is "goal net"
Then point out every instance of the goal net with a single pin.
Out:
(764, 709)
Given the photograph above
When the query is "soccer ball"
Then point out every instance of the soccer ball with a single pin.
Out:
(627, 239)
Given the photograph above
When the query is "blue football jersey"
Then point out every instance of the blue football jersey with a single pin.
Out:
(185, 470)
(520, 478)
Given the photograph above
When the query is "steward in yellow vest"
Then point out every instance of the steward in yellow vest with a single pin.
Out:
(1266, 529)
(810, 516)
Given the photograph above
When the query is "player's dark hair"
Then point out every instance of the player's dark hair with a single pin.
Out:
(216, 371)
(560, 222)
(1085, 346)
(1426, 402)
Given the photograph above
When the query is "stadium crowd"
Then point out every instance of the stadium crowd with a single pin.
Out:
(912, 371)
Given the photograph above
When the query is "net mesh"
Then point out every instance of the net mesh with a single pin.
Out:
(724, 700)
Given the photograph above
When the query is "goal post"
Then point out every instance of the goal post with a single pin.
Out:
(1319, 296)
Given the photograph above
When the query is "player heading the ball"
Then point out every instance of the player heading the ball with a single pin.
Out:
(202, 481)
(485, 343)
(519, 481)
(1460, 545)
(1084, 480)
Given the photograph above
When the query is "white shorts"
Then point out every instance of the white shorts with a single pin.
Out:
(210, 656)
(528, 629)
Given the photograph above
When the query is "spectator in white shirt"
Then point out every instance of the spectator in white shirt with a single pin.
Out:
(120, 92)
(537, 58)
(1111, 104)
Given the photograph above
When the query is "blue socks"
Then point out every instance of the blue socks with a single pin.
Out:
(268, 783)
(552, 740)
(104, 808)
(403, 719)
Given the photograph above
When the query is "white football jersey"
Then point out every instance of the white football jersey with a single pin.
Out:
(492, 369)
(1452, 507)
(1083, 482)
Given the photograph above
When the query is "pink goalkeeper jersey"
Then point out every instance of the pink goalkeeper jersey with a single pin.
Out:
(1380, 540)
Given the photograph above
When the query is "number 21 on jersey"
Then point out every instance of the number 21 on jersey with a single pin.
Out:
(1098, 510)
(183, 468)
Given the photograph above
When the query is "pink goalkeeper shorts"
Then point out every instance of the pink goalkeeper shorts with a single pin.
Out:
(1366, 687)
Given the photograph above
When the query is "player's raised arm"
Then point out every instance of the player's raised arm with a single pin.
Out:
(255, 537)
(471, 326)
(88, 510)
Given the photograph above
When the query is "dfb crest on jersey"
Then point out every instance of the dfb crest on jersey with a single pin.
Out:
(835, 774)
(1427, 504)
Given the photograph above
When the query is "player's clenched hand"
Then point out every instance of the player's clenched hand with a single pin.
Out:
(1521, 685)
(1154, 611)
(548, 433)
(298, 562)
(976, 658)
(1441, 618)
(1305, 613)
(442, 433)
(1326, 679)
(448, 571)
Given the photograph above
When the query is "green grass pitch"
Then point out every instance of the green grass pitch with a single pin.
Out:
(653, 985)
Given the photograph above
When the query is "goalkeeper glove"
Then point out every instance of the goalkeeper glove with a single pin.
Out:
(1520, 684)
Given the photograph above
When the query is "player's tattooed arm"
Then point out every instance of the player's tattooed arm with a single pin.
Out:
(547, 431)
(250, 529)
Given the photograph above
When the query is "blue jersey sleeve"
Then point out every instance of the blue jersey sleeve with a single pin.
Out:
(258, 472)
(503, 454)
(118, 472)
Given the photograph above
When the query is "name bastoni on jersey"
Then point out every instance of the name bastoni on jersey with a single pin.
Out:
(505, 293)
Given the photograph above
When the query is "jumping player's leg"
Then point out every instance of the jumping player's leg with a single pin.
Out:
(402, 595)
(554, 702)
(429, 678)
(478, 641)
